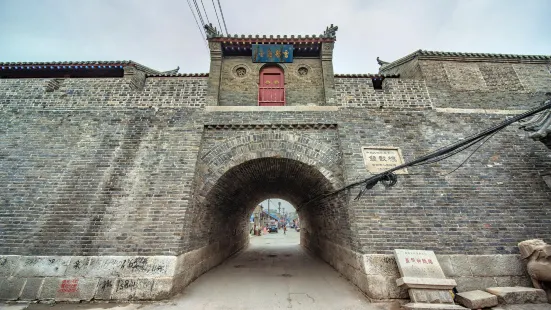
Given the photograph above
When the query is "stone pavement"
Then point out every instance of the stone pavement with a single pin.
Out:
(274, 272)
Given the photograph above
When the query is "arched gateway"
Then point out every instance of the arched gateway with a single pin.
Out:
(120, 182)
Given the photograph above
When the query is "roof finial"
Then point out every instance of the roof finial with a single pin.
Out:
(331, 31)
(381, 62)
(212, 32)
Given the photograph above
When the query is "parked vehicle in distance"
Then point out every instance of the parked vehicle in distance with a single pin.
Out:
(272, 228)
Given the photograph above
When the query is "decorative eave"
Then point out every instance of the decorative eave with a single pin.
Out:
(469, 57)
(178, 75)
(53, 65)
(368, 75)
(213, 35)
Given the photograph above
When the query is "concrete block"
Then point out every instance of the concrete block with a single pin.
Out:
(105, 288)
(476, 299)
(42, 266)
(497, 265)
(381, 264)
(465, 284)
(8, 264)
(10, 288)
(32, 289)
(424, 306)
(162, 288)
(132, 289)
(518, 295)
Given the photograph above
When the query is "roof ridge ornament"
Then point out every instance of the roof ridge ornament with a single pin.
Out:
(331, 31)
(381, 62)
(212, 32)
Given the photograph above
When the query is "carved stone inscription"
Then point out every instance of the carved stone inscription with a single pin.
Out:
(418, 264)
(381, 158)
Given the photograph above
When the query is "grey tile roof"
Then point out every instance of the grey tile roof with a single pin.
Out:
(70, 64)
(422, 54)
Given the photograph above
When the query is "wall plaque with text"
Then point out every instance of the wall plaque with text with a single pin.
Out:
(381, 158)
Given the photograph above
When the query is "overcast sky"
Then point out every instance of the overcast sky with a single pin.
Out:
(162, 34)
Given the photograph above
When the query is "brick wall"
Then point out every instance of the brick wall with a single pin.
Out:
(243, 91)
(396, 93)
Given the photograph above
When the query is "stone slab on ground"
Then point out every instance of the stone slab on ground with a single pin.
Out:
(476, 299)
(524, 307)
(518, 295)
(422, 306)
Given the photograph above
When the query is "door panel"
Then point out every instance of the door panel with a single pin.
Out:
(271, 91)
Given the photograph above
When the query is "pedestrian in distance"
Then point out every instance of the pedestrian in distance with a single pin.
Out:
(284, 229)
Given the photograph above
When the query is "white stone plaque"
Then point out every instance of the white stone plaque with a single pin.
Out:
(381, 158)
(418, 264)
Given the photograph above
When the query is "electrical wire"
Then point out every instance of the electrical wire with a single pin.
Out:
(388, 178)
(203, 35)
(215, 11)
(199, 12)
(223, 20)
(208, 21)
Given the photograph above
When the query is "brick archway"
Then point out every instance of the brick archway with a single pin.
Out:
(236, 173)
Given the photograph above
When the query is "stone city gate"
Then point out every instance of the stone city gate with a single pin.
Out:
(120, 182)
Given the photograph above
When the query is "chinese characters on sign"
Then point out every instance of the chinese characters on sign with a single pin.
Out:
(272, 53)
(379, 159)
(418, 264)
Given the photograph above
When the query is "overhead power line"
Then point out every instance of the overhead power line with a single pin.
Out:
(223, 20)
(388, 178)
(199, 12)
(208, 21)
(216, 12)
(203, 36)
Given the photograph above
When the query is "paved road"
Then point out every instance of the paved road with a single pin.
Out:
(274, 272)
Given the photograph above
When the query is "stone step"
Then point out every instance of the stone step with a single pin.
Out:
(518, 295)
(476, 299)
(423, 306)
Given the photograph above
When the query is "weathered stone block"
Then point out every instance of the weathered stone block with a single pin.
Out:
(105, 288)
(32, 289)
(10, 288)
(8, 264)
(425, 306)
(76, 289)
(465, 284)
(162, 288)
(518, 295)
(132, 289)
(380, 264)
(497, 265)
(42, 266)
(476, 299)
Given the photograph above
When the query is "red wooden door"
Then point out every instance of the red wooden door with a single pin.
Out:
(271, 91)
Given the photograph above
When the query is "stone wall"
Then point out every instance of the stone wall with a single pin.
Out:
(494, 201)
(299, 89)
